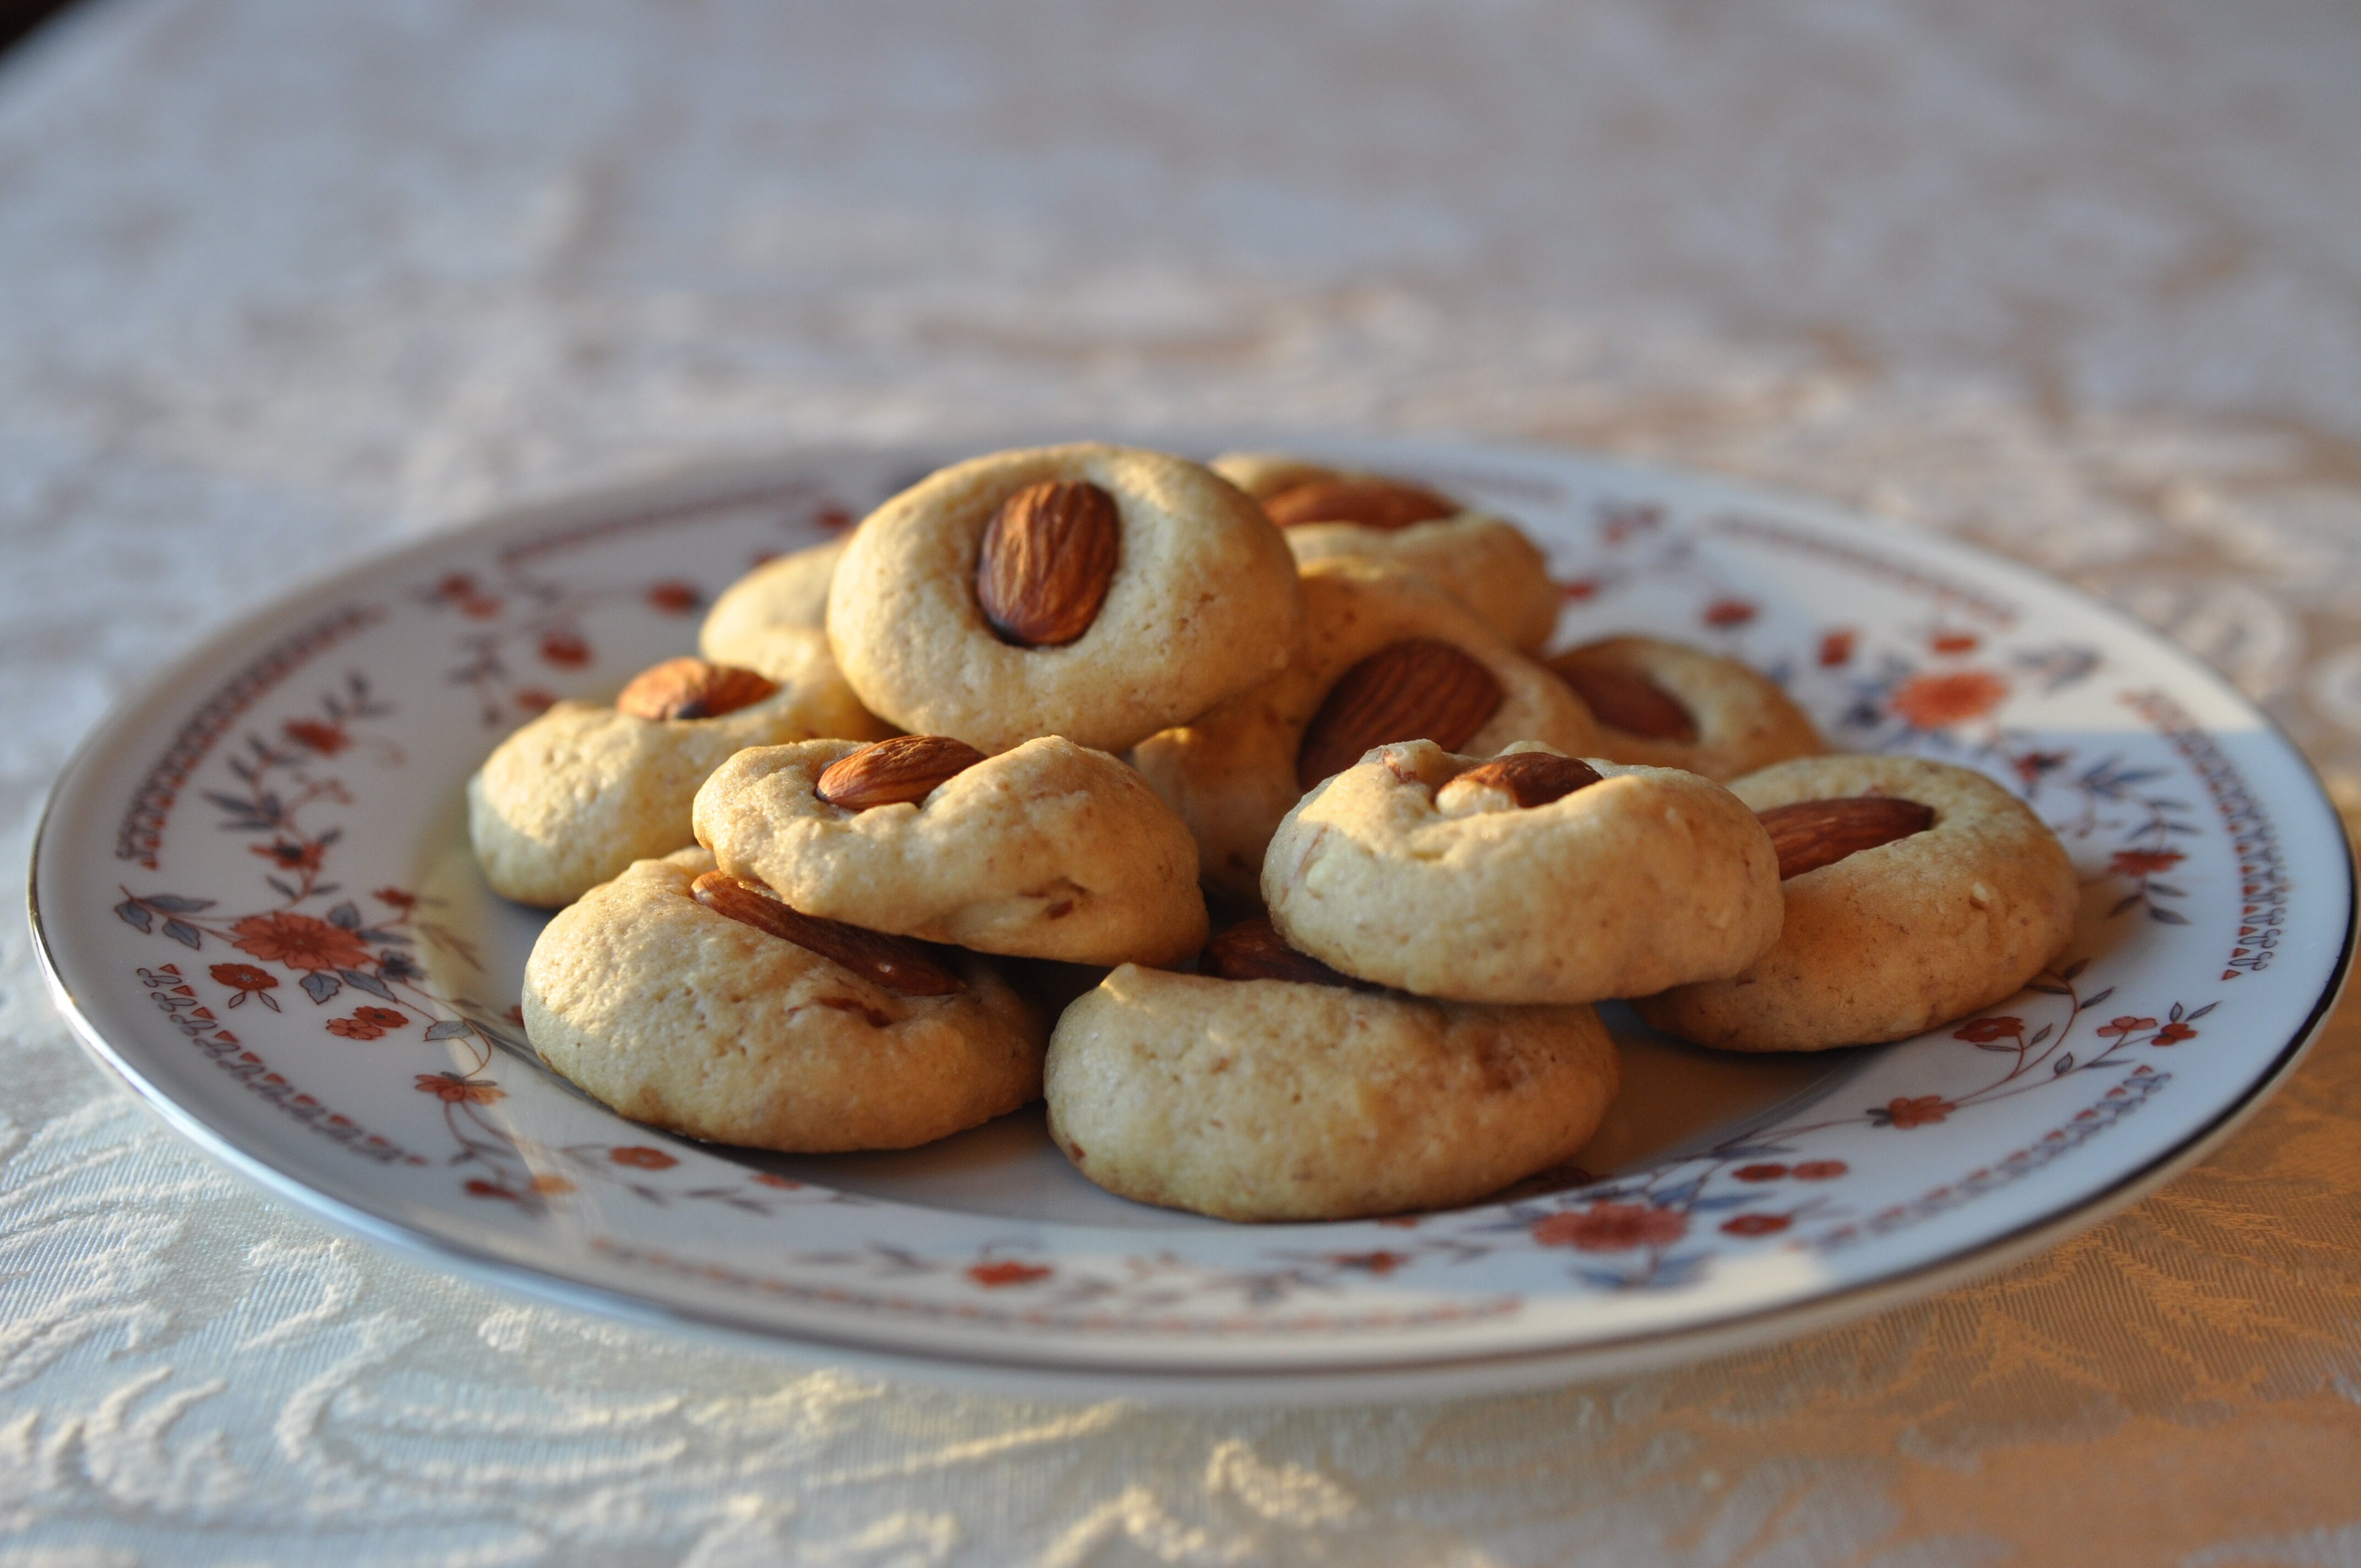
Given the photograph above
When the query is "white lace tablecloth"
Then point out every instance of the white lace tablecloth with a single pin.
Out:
(281, 282)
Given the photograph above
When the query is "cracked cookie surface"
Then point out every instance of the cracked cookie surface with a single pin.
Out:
(1893, 940)
(1672, 706)
(1232, 772)
(1486, 562)
(1051, 851)
(693, 1022)
(1269, 1099)
(1397, 871)
(1200, 602)
(791, 591)
(577, 794)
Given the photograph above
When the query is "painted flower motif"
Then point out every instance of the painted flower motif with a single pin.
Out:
(396, 897)
(1378, 1263)
(1755, 1225)
(244, 978)
(565, 648)
(1610, 1226)
(1836, 647)
(2117, 1028)
(1984, 1031)
(1619, 521)
(1723, 614)
(773, 1178)
(1760, 1172)
(532, 700)
(460, 591)
(1581, 588)
(674, 598)
(835, 518)
(551, 1185)
(1954, 641)
(2173, 1034)
(639, 1156)
(2034, 766)
(355, 1029)
(454, 1090)
(1819, 1170)
(1920, 1110)
(2143, 862)
(1007, 1271)
(1936, 702)
(383, 1018)
(299, 941)
(317, 734)
(291, 857)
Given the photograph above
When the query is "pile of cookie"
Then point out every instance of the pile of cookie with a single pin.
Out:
(931, 826)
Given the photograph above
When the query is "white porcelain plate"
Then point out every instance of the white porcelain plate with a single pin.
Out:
(254, 895)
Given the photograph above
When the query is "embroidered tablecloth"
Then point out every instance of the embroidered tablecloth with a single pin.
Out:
(281, 283)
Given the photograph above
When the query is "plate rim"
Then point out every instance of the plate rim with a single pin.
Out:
(712, 480)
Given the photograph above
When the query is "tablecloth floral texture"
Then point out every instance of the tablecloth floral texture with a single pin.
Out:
(287, 282)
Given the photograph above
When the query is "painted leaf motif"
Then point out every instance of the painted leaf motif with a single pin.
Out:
(131, 913)
(320, 986)
(182, 932)
(449, 1028)
(362, 980)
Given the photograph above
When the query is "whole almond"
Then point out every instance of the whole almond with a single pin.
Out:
(1370, 502)
(1047, 557)
(907, 767)
(1532, 778)
(1815, 833)
(1418, 689)
(1253, 949)
(891, 963)
(1627, 700)
(692, 688)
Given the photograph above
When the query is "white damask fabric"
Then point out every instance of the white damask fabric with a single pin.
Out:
(281, 283)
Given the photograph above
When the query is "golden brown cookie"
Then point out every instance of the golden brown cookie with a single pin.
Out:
(1386, 656)
(1484, 562)
(1051, 851)
(790, 591)
(1095, 592)
(581, 792)
(1892, 927)
(1532, 877)
(690, 1020)
(1671, 705)
(1266, 1098)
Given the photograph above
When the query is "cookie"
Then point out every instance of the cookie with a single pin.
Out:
(1671, 705)
(791, 591)
(1916, 893)
(1099, 593)
(1484, 562)
(1051, 851)
(581, 792)
(1266, 1099)
(1533, 878)
(1386, 656)
(690, 1020)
